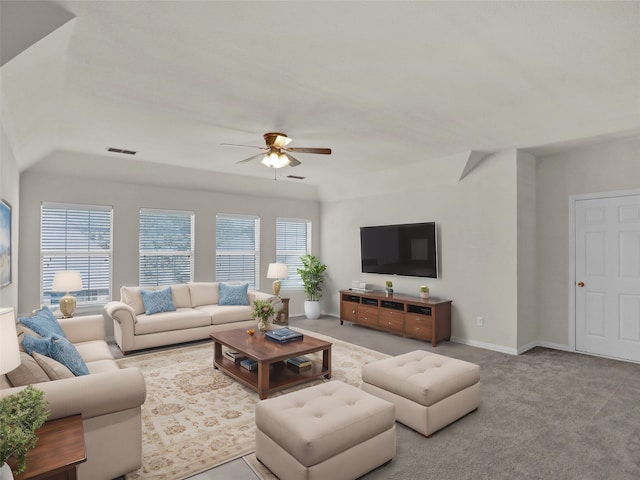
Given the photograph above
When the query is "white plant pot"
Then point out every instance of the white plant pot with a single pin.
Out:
(312, 309)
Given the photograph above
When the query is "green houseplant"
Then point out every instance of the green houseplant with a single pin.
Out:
(312, 275)
(21, 415)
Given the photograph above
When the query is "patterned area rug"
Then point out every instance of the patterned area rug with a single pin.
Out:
(195, 417)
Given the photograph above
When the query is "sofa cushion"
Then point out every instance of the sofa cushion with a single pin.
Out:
(181, 296)
(53, 369)
(204, 293)
(28, 372)
(43, 323)
(181, 319)
(93, 351)
(227, 314)
(233, 294)
(157, 301)
(102, 366)
(132, 297)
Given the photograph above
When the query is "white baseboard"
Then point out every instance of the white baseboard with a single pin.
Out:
(486, 346)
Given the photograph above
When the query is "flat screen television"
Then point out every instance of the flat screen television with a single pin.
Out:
(407, 249)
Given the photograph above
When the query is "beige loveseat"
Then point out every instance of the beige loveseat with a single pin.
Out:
(109, 399)
(197, 314)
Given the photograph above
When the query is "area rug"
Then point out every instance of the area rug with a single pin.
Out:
(195, 417)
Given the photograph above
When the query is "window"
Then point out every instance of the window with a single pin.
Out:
(293, 240)
(76, 237)
(166, 247)
(238, 249)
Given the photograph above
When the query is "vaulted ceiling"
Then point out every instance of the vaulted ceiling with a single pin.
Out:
(383, 83)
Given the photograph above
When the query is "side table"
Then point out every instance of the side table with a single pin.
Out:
(283, 315)
(60, 448)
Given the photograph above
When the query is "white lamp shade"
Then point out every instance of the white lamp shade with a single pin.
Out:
(277, 270)
(9, 352)
(67, 281)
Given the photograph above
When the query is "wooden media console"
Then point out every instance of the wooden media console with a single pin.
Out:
(424, 318)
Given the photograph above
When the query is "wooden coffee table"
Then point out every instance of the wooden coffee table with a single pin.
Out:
(272, 373)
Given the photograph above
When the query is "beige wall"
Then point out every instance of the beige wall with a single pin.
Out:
(127, 199)
(603, 167)
(527, 311)
(477, 221)
(10, 192)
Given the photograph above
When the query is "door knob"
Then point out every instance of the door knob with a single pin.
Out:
(581, 284)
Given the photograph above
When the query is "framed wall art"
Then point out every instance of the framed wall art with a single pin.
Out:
(5, 243)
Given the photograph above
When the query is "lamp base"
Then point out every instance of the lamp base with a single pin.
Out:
(275, 288)
(67, 306)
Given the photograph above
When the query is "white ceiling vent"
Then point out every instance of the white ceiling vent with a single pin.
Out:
(121, 150)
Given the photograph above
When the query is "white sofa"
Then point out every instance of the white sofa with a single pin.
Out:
(109, 399)
(197, 314)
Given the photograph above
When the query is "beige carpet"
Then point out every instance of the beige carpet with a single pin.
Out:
(195, 417)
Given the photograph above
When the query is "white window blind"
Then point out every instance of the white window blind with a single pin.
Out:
(166, 247)
(76, 237)
(293, 240)
(238, 249)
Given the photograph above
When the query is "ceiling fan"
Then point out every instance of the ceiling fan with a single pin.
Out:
(276, 153)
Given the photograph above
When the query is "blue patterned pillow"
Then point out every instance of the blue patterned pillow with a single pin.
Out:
(233, 294)
(58, 348)
(157, 301)
(64, 352)
(34, 344)
(43, 323)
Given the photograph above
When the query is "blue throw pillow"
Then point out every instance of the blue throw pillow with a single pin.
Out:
(34, 344)
(58, 348)
(43, 323)
(157, 301)
(233, 294)
(67, 354)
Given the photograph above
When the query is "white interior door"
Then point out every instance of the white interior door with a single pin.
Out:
(607, 276)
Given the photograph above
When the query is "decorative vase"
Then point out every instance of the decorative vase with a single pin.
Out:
(263, 324)
(5, 472)
(424, 294)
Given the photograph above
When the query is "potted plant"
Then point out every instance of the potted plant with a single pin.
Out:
(312, 275)
(21, 415)
(389, 287)
(262, 311)
(424, 291)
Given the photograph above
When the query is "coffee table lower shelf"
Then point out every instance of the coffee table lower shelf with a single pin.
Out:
(280, 376)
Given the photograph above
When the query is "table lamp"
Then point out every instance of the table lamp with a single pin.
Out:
(67, 281)
(9, 353)
(277, 271)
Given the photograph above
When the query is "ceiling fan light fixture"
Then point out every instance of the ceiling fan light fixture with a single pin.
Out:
(275, 160)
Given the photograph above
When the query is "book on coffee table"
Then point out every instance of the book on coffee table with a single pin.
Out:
(237, 357)
(283, 335)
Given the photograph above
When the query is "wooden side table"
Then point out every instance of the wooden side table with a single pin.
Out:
(283, 315)
(60, 448)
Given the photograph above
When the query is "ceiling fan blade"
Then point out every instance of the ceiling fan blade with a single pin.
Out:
(321, 151)
(293, 162)
(238, 145)
(255, 157)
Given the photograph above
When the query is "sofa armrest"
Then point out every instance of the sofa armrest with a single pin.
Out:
(83, 329)
(257, 295)
(124, 319)
(92, 395)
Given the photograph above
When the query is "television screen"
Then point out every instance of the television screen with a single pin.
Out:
(407, 249)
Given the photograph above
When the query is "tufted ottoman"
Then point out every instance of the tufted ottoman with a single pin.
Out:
(429, 390)
(328, 431)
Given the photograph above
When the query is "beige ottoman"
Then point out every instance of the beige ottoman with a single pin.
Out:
(328, 431)
(429, 390)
